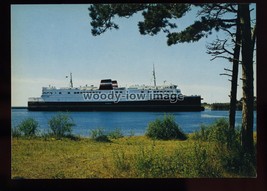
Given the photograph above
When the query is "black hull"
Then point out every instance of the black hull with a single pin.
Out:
(189, 104)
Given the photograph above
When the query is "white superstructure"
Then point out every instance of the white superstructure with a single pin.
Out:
(107, 92)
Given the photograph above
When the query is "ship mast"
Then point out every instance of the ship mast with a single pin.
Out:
(71, 84)
(154, 76)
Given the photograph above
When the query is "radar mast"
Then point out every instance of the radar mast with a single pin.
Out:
(154, 75)
(71, 84)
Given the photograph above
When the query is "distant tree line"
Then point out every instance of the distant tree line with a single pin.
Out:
(226, 106)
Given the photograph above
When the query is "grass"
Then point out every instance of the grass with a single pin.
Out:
(126, 157)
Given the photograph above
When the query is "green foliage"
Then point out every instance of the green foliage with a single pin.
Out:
(15, 132)
(160, 17)
(150, 163)
(120, 161)
(27, 128)
(165, 129)
(218, 132)
(157, 17)
(228, 149)
(144, 158)
(61, 125)
(211, 16)
(225, 106)
(115, 134)
(203, 162)
(145, 161)
(99, 135)
(131, 133)
(154, 163)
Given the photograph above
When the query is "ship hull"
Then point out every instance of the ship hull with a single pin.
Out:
(188, 104)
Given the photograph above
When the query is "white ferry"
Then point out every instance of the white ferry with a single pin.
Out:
(110, 97)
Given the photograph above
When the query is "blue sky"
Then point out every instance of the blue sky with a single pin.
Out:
(50, 41)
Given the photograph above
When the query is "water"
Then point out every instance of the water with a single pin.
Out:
(128, 122)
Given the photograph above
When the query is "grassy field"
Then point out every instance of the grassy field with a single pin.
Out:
(127, 157)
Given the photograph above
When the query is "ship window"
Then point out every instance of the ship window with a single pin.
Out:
(68, 92)
(116, 92)
(59, 92)
(121, 92)
(142, 91)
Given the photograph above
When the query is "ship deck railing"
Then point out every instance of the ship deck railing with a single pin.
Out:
(36, 99)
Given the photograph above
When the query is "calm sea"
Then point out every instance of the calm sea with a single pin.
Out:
(130, 123)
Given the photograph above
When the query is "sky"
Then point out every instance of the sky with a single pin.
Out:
(48, 42)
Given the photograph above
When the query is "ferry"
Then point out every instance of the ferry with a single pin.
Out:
(110, 97)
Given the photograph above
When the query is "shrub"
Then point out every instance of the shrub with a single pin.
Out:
(99, 135)
(165, 129)
(228, 147)
(115, 134)
(121, 162)
(131, 133)
(218, 132)
(15, 132)
(27, 128)
(61, 125)
(144, 162)
(197, 161)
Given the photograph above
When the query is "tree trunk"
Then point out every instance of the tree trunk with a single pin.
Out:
(232, 110)
(247, 77)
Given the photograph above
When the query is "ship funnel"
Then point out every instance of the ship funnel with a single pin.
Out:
(114, 83)
(106, 84)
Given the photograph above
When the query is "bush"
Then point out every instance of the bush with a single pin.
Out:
(15, 132)
(228, 147)
(61, 125)
(27, 128)
(165, 129)
(218, 132)
(99, 135)
(121, 162)
(115, 134)
(197, 162)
